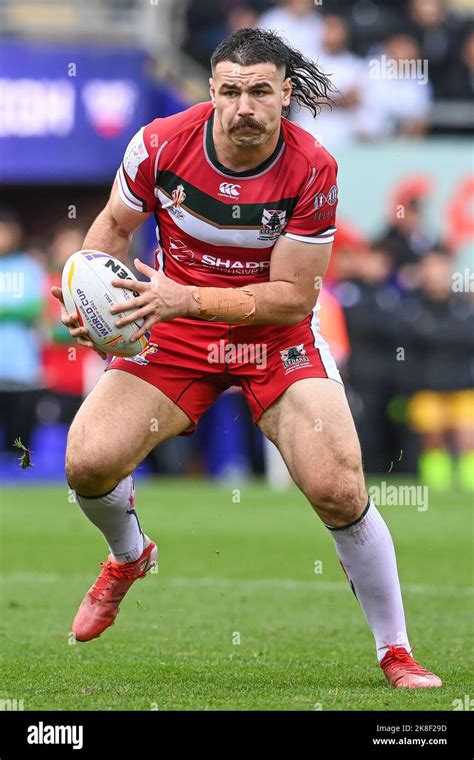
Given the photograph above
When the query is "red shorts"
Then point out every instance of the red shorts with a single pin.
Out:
(193, 362)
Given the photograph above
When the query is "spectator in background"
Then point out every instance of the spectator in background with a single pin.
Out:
(438, 329)
(337, 127)
(348, 242)
(21, 301)
(458, 81)
(407, 238)
(437, 34)
(208, 22)
(398, 93)
(298, 22)
(205, 24)
(63, 359)
(241, 17)
(371, 306)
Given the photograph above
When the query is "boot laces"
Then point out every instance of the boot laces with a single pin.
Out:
(399, 656)
(112, 572)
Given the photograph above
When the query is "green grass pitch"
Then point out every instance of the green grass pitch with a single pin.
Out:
(230, 571)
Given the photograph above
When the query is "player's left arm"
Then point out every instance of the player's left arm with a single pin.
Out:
(296, 273)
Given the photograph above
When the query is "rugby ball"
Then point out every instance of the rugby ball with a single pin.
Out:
(88, 295)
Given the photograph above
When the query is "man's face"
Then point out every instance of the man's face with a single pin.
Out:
(249, 100)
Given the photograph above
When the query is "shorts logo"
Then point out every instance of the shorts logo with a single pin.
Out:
(229, 190)
(294, 358)
(331, 198)
(140, 358)
(273, 221)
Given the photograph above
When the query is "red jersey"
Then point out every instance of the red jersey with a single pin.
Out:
(217, 227)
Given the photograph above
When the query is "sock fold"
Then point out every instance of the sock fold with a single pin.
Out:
(114, 514)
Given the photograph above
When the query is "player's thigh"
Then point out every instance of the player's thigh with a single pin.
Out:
(312, 426)
(119, 422)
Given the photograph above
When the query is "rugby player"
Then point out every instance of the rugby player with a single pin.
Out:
(244, 202)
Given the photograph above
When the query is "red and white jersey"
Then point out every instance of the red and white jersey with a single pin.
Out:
(215, 226)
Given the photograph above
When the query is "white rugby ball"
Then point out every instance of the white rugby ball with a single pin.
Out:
(88, 295)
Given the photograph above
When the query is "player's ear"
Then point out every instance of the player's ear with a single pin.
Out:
(286, 89)
(212, 90)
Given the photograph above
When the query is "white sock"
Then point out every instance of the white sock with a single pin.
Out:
(114, 514)
(367, 555)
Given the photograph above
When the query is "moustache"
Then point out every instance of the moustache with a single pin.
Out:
(248, 123)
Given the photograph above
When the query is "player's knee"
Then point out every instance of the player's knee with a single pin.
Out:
(339, 497)
(88, 472)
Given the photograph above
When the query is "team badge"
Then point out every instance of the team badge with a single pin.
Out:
(294, 358)
(273, 221)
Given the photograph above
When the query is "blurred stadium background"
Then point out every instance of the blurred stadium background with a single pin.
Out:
(77, 79)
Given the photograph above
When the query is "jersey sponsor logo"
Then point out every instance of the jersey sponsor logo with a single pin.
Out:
(229, 190)
(294, 357)
(234, 267)
(180, 252)
(135, 154)
(273, 221)
(141, 358)
(330, 198)
(184, 255)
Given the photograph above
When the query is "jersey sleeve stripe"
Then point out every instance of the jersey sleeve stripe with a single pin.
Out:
(158, 154)
(129, 198)
(311, 179)
(326, 237)
(132, 191)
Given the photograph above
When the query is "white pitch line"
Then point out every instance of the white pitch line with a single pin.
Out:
(252, 583)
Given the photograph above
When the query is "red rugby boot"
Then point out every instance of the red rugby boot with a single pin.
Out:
(100, 606)
(402, 671)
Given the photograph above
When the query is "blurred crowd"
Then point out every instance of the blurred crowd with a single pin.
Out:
(424, 49)
(401, 330)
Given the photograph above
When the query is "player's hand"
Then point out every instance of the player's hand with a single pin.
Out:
(159, 300)
(77, 332)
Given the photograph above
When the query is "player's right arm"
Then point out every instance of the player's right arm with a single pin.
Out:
(130, 204)
(112, 231)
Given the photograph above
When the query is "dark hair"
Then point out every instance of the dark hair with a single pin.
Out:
(250, 46)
